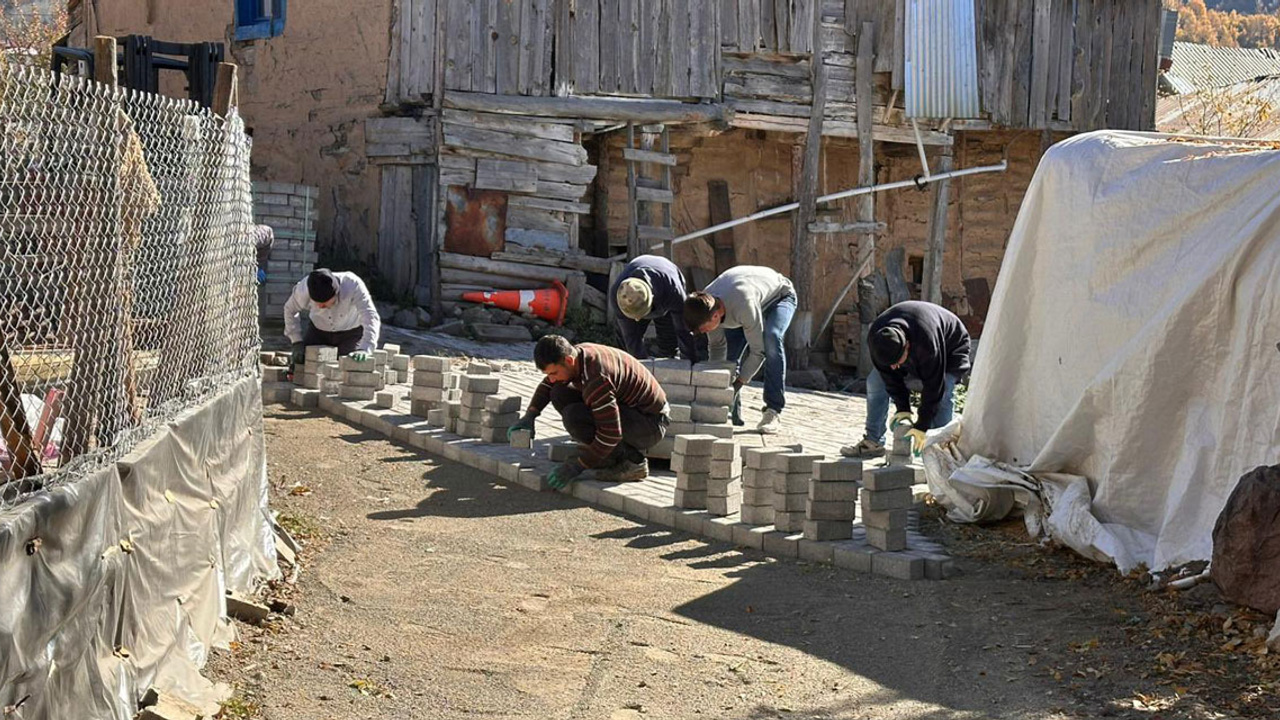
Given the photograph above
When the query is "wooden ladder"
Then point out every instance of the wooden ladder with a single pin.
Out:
(649, 185)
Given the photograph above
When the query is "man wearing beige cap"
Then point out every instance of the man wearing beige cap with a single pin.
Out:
(651, 288)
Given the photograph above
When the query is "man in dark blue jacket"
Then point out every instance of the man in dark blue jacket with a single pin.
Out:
(912, 342)
(651, 288)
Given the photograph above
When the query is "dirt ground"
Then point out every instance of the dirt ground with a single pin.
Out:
(431, 591)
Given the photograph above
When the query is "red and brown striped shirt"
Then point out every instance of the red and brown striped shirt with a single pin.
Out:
(607, 378)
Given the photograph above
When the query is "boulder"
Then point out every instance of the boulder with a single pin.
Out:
(386, 311)
(1246, 542)
(424, 317)
(451, 327)
(473, 315)
(406, 318)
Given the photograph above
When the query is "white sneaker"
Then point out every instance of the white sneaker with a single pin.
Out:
(770, 422)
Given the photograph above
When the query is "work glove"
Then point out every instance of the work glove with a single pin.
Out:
(735, 410)
(564, 473)
(360, 356)
(524, 423)
(299, 355)
(917, 439)
(900, 418)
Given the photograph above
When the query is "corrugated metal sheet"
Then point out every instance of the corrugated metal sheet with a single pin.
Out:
(1168, 31)
(1202, 66)
(1249, 109)
(940, 53)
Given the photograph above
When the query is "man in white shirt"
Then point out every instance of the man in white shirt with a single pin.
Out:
(341, 313)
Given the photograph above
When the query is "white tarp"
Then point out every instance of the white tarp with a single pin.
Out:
(1132, 340)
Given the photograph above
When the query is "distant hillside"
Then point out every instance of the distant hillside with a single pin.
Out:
(1230, 23)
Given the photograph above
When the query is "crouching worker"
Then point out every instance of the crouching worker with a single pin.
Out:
(340, 313)
(610, 403)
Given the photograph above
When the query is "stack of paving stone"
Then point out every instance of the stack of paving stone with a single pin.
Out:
(699, 398)
(310, 374)
(398, 362)
(886, 499)
(500, 413)
(476, 390)
(757, 484)
(724, 487)
(331, 377)
(900, 451)
(433, 385)
(291, 212)
(361, 379)
(833, 500)
(691, 461)
(792, 473)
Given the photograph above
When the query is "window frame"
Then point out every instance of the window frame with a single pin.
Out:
(266, 21)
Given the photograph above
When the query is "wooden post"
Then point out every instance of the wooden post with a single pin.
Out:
(436, 227)
(936, 247)
(802, 243)
(865, 206)
(633, 231)
(104, 60)
(225, 92)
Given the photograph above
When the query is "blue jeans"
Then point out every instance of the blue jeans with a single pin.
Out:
(878, 405)
(777, 318)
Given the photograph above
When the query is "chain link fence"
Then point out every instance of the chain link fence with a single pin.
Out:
(127, 275)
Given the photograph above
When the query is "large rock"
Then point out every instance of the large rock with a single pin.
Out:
(407, 318)
(474, 314)
(1246, 542)
(386, 310)
(424, 317)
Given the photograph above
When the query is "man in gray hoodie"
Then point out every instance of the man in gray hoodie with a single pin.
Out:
(748, 308)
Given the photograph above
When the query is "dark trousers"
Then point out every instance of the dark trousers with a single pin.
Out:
(344, 340)
(640, 431)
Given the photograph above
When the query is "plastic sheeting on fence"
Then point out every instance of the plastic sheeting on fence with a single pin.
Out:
(116, 582)
(1131, 342)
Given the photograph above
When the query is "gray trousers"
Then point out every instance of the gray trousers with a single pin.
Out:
(640, 431)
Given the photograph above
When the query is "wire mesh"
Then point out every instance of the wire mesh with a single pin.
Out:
(127, 271)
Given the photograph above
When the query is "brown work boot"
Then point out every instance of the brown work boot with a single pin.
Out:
(624, 471)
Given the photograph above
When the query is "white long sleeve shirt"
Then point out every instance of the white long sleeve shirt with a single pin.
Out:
(354, 308)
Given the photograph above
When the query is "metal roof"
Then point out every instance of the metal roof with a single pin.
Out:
(1197, 113)
(1201, 66)
(940, 59)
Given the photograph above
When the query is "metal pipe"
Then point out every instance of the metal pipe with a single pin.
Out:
(913, 183)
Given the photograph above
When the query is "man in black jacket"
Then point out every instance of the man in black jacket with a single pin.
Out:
(651, 288)
(912, 342)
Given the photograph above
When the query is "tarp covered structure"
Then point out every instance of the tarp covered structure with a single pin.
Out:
(1131, 342)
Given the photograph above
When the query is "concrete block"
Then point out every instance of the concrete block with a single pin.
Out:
(792, 484)
(690, 445)
(722, 432)
(691, 520)
(380, 357)
(719, 529)
(432, 364)
(838, 470)
(898, 565)
(674, 372)
(745, 536)
(901, 447)
(757, 496)
(635, 506)
(791, 522)
(711, 378)
(310, 381)
(664, 514)
(277, 392)
(693, 499)
(473, 400)
(330, 371)
(438, 417)
(756, 477)
(795, 462)
(829, 510)
(392, 349)
(689, 463)
(725, 450)
(400, 362)
(790, 502)
(853, 555)
(471, 414)
(479, 384)
(275, 374)
(762, 457)
(495, 435)
(782, 544)
(246, 609)
(522, 439)
(348, 364)
(823, 530)
(402, 377)
(757, 514)
(695, 482)
(828, 491)
(356, 392)
(682, 394)
(560, 452)
(680, 413)
(420, 407)
(885, 519)
(888, 540)
(389, 375)
(503, 420)
(663, 449)
(304, 398)
(501, 404)
(479, 368)
(713, 414)
(722, 397)
(719, 487)
(455, 408)
(937, 566)
(587, 491)
(361, 379)
(729, 505)
(889, 477)
(425, 379)
(321, 354)
(816, 551)
(885, 499)
(676, 429)
(384, 399)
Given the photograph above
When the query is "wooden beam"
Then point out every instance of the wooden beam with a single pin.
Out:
(864, 206)
(104, 60)
(225, 93)
(720, 212)
(937, 242)
(639, 111)
(802, 241)
(863, 228)
(838, 128)
(648, 156)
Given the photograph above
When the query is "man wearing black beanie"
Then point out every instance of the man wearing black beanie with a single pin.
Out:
(341, 314)
(912, 342)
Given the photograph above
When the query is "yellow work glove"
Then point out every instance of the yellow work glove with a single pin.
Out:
(917, 439)
(901, 417)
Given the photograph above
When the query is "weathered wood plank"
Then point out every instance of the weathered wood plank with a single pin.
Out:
(748, 15)
(662, 86)
(1102, 62)
(418, 132)
(397, 239)
(936, 243)
(549, 42)
(801, 31)
(587, 48)
(1121, 44)
(567, 50)
(864, 205)
(1150, 65)
(775, 18)
(571, 260)
(768, 87)
(457, 68)
(1066, 59)
(560, 132)
(398, 18)
(827, 227)
(547, 204)
(533, 219)
(807, 187)
(648, 156)
(628, 46)
(679, 45)
(719, 212)
(1057, 31)
(529, 48)
(610, 45)
(1024, 53)
(644, 111)
(1082, 64)
(507, 47)
(838, 128)
(506, 175)
(501, 143)
(704, 53)
(422, 71)
(654, 195)
(457, 261)
(787, 67)
(647, 57)
(728, 23)
(425, 227)
(560, 190)
(1041, 61)
(536, 238)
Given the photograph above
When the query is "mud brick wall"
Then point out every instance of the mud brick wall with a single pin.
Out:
(291, 212)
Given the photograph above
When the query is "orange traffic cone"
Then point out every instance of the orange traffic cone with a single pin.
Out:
(547, 303)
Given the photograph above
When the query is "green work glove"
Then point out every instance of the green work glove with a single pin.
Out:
(299, 355)
(564, 473)
(917, 439)
(735, 410)
(900, 418)
(359, 356)
(524, 423)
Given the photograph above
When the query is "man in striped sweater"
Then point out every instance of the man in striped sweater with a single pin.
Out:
(609, 402)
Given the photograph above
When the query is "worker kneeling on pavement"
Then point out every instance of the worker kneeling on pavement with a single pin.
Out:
(912, 342)
(651, 288)
(609, 402)
(341, 314)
